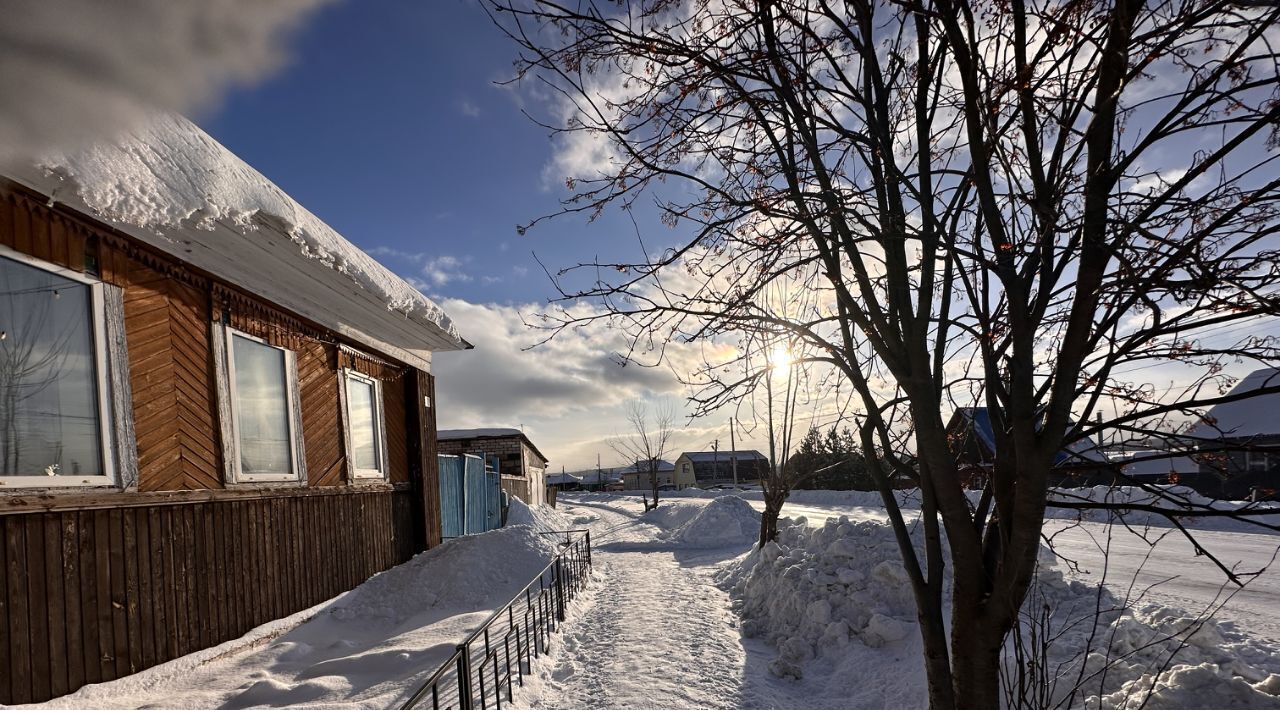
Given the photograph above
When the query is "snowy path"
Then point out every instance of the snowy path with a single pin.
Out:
(653, 632)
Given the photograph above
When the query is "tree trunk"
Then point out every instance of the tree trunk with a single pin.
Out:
(653, 486)
(769, 518)
(975, 669)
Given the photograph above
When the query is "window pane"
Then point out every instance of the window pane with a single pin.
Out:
(48, 375)
(262, 407)
(364, 429)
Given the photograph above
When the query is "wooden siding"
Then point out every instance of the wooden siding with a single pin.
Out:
(171, 373)
(318, 383)
(94, 595)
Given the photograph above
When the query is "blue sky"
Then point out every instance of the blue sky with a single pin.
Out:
(388, 124)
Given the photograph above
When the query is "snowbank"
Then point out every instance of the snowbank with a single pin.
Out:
(1171, 498)
(170, 174)
(724, 522)
(370, 647)
(542, 518)
(836, 600)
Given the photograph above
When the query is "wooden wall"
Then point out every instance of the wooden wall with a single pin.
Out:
(100, 584)
(95, 594)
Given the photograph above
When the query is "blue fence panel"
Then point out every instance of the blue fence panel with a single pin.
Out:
(493, 496)
(476, 496)
(452, 496)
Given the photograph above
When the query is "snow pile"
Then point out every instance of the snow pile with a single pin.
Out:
(836, 600)
(724, 522)
(542, 518)
(370, 647)
(670, 514)
(170, 174)
(815, 591)
(1171, 498)
(450, 575)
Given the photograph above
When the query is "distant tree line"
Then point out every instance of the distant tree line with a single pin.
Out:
(831, 461)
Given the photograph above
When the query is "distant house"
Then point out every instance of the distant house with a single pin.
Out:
(1239, 444)
(507, 451)
(710, 468)
(636, 476)
(972, 439)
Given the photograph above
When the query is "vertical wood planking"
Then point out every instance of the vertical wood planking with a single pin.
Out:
(146, 602)
(6, 671)
(68, 524)
(119, 613)
(102, 568)
(19, 623)
(55, 605)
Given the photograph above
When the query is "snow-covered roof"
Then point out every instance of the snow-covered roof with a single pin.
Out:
(1254, 416)
(170, 185)
(664, 466)
(560, 479)
(492, 432)
(713, 456)
(1147, 466)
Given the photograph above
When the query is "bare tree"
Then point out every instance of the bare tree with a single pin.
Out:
(648, 443)
(1019, 205)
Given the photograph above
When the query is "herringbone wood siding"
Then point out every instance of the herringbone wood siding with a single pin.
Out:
(171, 372)
(318, 382)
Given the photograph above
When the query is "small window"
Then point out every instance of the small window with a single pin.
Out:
(365, 427)
(1257, 461)
(263, 383)
(55, 422)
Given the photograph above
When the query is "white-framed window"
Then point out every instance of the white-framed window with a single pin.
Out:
(1257, 460)
(263, 434)
(56, 416)
(364, 425)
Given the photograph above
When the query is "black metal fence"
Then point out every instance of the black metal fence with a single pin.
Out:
(485, 669)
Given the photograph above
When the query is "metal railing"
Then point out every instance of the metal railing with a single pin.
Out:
(498, 655)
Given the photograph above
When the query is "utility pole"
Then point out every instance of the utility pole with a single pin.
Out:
(715, 459)
(733, 455)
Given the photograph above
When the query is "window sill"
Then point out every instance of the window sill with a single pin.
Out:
(55, 483)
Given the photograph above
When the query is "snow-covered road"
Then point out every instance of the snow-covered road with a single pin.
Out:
(1170, 574)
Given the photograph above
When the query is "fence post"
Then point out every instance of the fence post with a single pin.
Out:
(465, 701)
(559, 589)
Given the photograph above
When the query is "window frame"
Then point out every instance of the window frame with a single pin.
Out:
(380, 435)
(227, 393)
(102, 363)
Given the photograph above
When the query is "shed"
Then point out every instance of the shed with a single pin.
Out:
(507, 451)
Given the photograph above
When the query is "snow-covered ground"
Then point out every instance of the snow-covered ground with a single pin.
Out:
(824, 619)
(684, 612)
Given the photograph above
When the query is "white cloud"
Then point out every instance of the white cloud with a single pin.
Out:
(444, 269)
(75, 70)
(468, 108)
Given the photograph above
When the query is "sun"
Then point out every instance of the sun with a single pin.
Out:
(781, 358)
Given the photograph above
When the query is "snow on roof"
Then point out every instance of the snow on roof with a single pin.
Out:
(171, 185)
(477, 433)
(713, 456)
(643, 467)
(1254, 416)
(560, 479)
(1146, 466)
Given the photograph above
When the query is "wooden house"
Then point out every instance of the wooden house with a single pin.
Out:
(509, 452)
(972, 439)
(711, 468)
(637, 476)
(214, 411)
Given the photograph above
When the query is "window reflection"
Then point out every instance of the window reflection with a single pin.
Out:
(262, 407)
(49, 416)
(363, 425)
